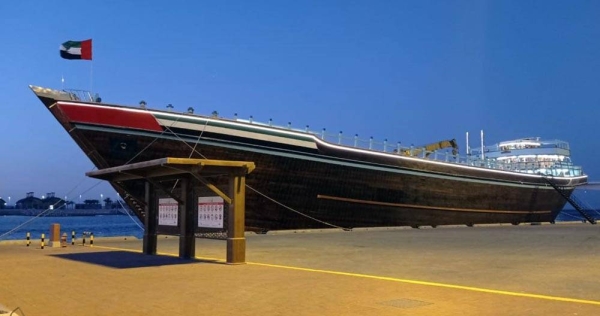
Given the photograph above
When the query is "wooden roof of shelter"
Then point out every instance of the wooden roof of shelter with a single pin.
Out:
(150, 171)
(170, 166)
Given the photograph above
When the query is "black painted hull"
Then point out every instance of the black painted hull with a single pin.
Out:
(329, 186)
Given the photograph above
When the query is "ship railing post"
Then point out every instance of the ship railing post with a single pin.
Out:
(251, 119)
(323, 134)
(306, 129)
(289, 125)
(385, 145)
(371, 142)
(270, 122)
(398, 148)
(355, 140)
(340, 138)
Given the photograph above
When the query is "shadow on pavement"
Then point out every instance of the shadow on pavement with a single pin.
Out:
(125, 259)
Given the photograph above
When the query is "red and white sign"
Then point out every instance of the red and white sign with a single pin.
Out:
(210, 212)
(167, 212)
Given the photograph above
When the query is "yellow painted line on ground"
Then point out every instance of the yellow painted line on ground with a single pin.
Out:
(375, 277)
(444, 285)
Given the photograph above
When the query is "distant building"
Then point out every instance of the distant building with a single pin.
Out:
(51, 200)
(2, 203)
(32, 202)
(29, 202)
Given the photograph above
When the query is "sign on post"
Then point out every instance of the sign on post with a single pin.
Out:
(210, 212)
(167, 212)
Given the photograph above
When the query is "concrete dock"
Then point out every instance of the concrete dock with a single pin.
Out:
(483, 270)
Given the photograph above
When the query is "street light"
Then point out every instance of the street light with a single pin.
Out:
(101, 196)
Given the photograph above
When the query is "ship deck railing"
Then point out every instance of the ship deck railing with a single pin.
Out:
(554, 143)
(559, 169)
(79, 95)
(370, 144)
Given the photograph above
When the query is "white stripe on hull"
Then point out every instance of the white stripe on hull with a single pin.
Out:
(234, 132)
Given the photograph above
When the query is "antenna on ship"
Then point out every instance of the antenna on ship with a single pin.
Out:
(91, 76)
(467, 147)
(62, 82)
(482, 154)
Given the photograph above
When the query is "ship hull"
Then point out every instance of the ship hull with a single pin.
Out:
(303, 182)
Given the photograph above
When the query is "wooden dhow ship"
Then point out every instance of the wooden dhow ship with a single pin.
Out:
(305, 179)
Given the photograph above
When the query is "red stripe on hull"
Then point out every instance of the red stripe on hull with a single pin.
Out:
(110, 116)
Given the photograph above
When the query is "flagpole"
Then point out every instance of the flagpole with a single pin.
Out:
(91, 77)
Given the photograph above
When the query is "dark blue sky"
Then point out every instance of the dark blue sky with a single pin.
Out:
(410, 71)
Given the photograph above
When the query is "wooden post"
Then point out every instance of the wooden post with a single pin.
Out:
(236, 242)
(187, 239)
(150, 220)
(188, 172)
(55, 235)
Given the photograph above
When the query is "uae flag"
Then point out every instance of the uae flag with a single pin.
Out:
(76, 50)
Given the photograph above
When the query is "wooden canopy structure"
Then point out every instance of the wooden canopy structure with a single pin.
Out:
(187, 172)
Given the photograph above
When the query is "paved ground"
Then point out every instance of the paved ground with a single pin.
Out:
(485, 270)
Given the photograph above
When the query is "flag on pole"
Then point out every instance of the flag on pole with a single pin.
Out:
(76, 50)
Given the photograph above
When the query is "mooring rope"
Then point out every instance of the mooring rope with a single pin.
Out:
(127, 212)
(198, 141)
(297, 212)
(43, 213)
(48, 210)
(150, 144)
(581, 218)
(249, 187)
(193, 150)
